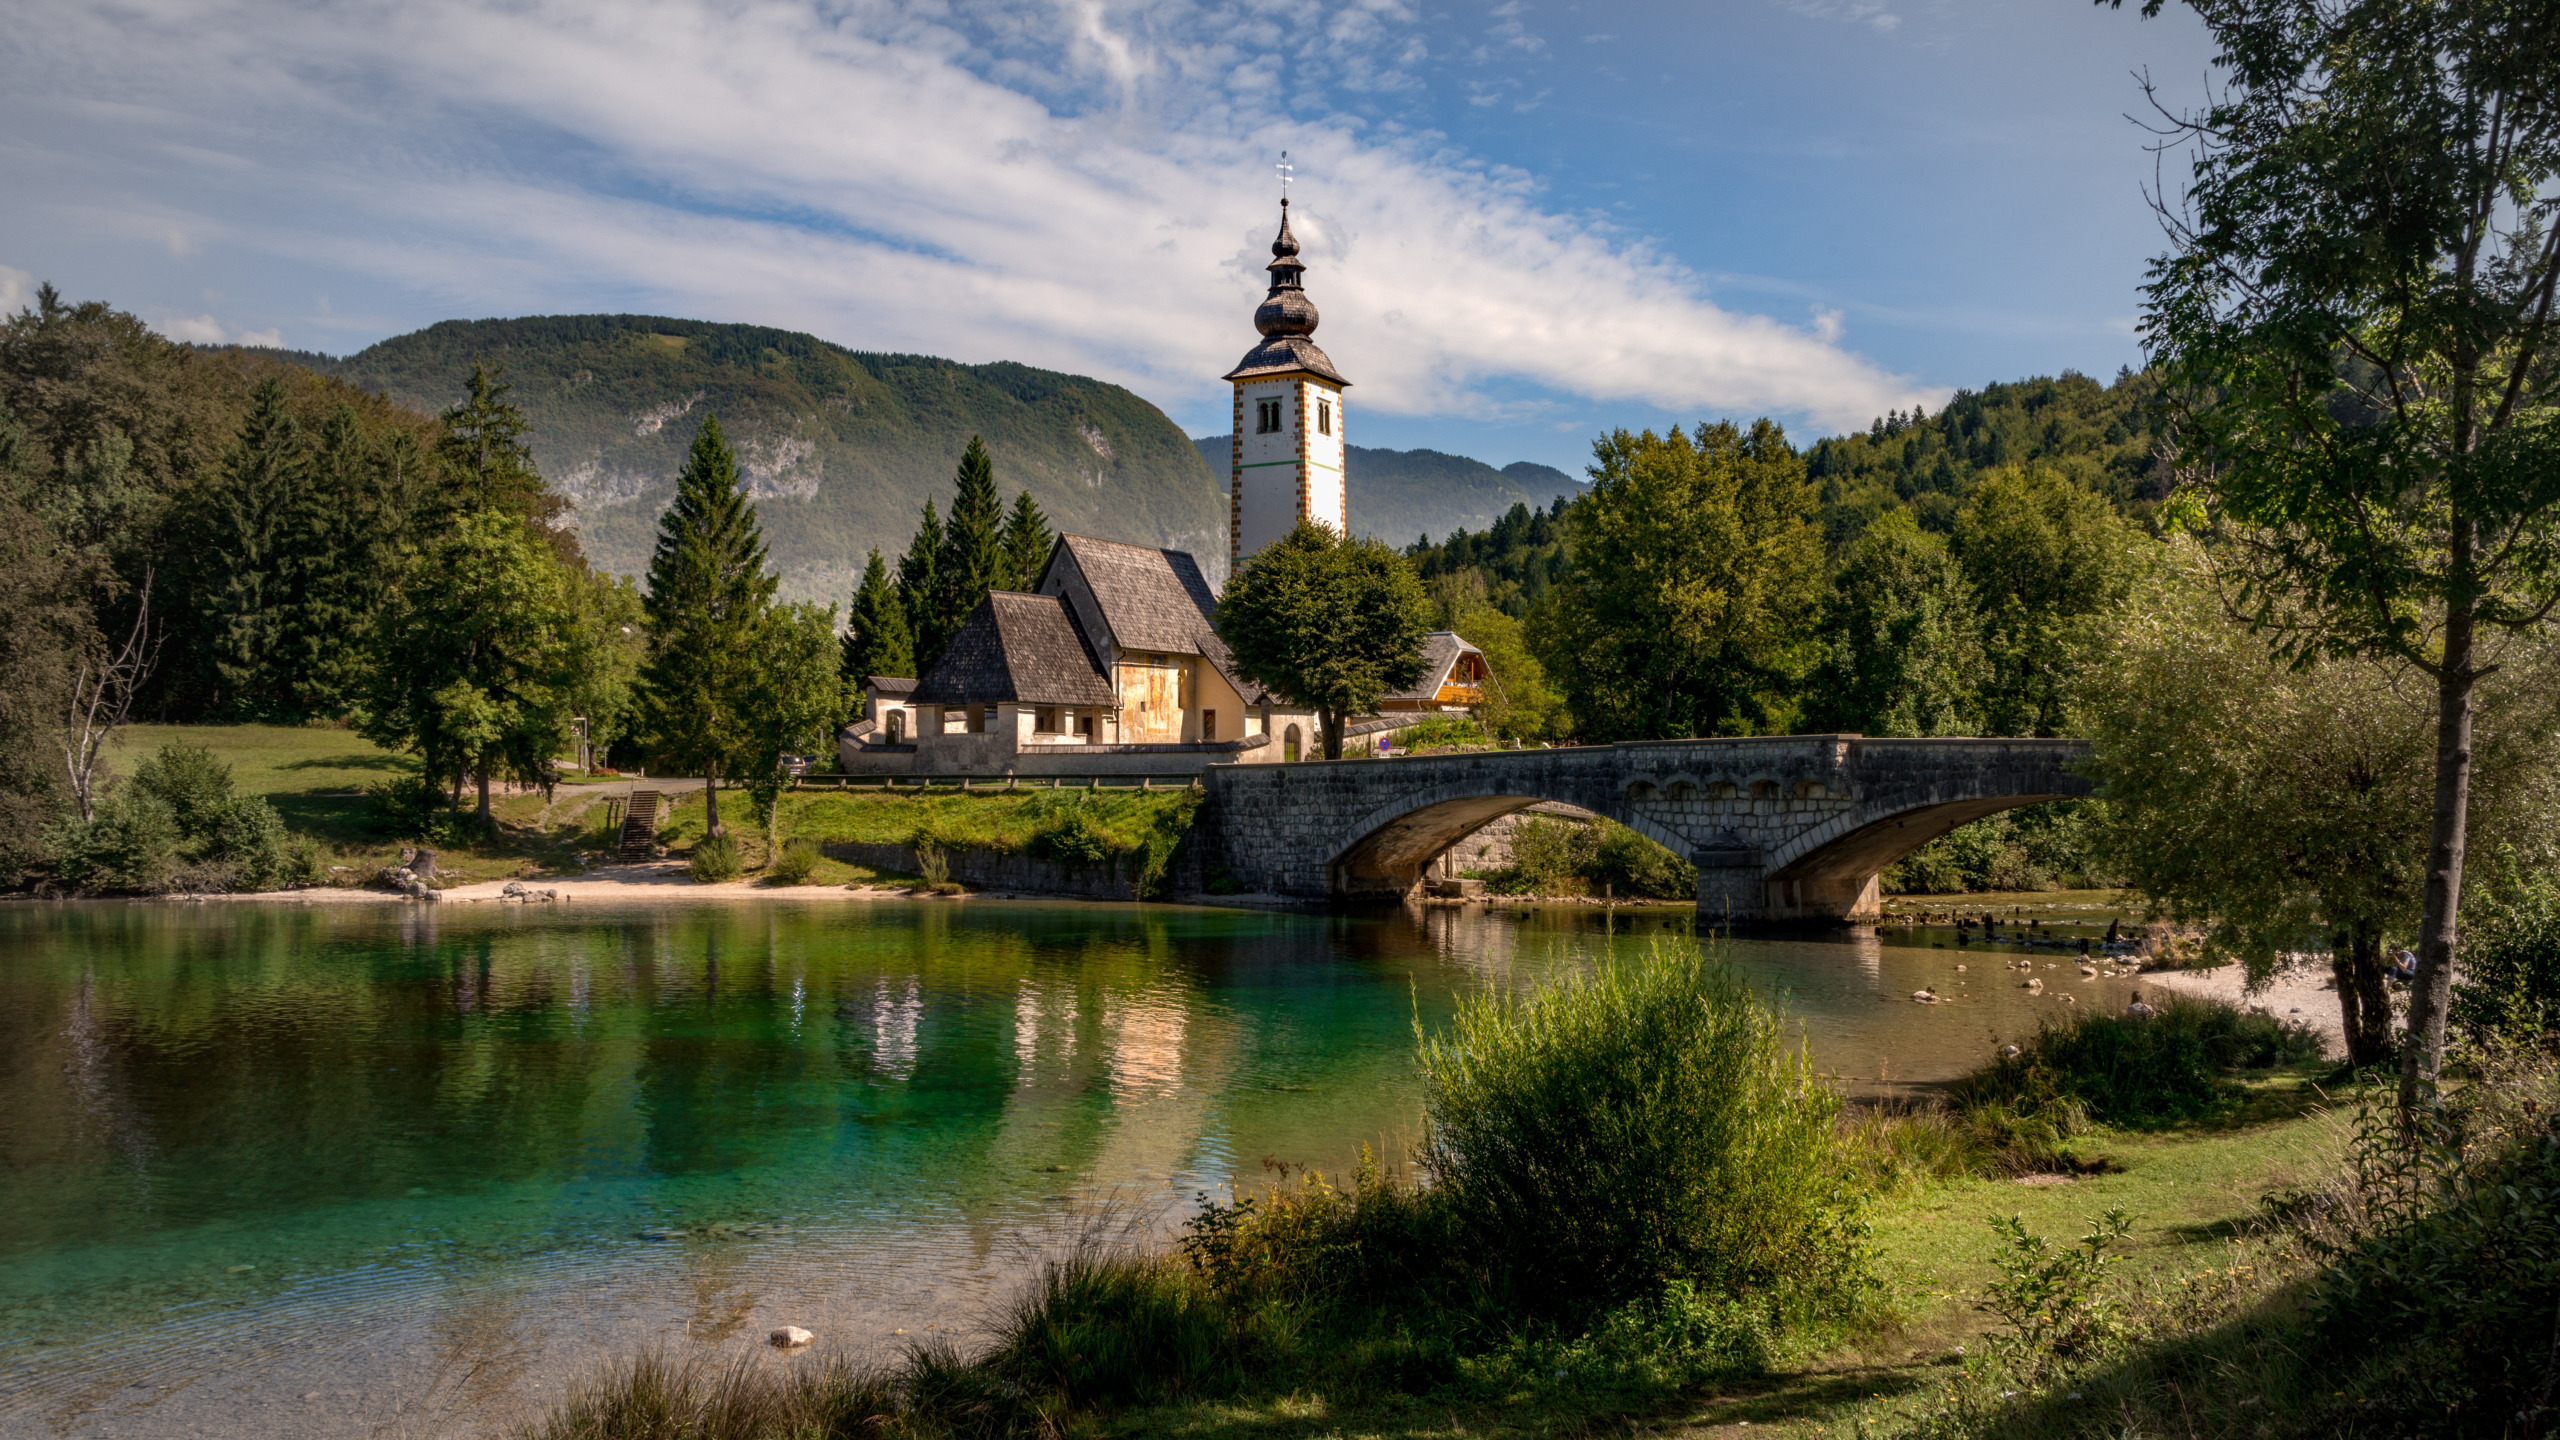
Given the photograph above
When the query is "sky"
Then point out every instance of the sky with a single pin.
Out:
(1526, 224)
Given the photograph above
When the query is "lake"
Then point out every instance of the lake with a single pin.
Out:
(408, 1168)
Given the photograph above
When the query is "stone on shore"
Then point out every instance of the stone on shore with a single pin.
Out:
(789, 1337)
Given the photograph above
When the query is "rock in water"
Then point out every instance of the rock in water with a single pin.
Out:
(789, 1337)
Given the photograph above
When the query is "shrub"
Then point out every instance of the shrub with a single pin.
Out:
(715, 858)
(1632, 865)
(1642, 1124)
(1072, 836)
(176, 825)
(2168, 1067)
(410, 807)
(1442, 730)
(793, 866)
(2509, 983)
(2448, 1258)
(1550, 857)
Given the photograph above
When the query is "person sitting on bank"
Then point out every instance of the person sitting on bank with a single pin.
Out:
(2404, 966)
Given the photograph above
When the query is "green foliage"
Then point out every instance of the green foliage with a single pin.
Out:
(2102, 437)
(2367, 388)
(484, 451)
(916, 584)
(1631, 865)
(876, 638)
(1570, 857)
(1327, 622)
(477, 656)
(715, 858)
(797, 699)
(1510, 565)
(2058, 1304)
(973, 559)
(412, 807)
(263, 481)
(177, 825)
(2510, 980)
(796, 862)
(1073, 836)
(1027, 541)
(1636, 1125)
(1904, 642)
(2450, 1265)
(1442, 730)
(2126, 1071)
(2045, 558)
(2060, 845)
(1520, 704)
(708, 596)
(1694, 570)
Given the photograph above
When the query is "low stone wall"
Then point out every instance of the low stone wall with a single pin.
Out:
(988, 870)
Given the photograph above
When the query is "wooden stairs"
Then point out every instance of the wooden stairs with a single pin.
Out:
(639, 828)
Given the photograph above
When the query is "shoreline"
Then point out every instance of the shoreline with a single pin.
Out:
(2303, 995)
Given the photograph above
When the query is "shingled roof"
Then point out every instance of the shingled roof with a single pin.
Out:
(1285, 355)
(1440, 652)
(1151, 599)
(1023, 648)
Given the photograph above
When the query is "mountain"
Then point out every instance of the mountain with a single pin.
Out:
(840, 447)
(1398, 495)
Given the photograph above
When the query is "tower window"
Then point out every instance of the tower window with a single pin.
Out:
(1324, 417)
(1266, 417)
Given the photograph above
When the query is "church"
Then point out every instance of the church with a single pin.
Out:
(1111, 663)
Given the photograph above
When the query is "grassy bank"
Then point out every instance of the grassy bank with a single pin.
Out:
(321, 781)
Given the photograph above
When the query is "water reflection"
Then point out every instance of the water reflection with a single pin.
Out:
(252, 1141)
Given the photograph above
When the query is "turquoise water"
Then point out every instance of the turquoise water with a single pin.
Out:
(313, 1168)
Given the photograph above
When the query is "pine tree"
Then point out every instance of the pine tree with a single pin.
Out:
(876, 638)
(488, 463)
(709, 593)
(264, 477)
(973, 559)
(916, 587)
(1026, 542)
(338, 540)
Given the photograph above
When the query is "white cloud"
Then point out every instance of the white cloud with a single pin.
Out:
(193, 329)
(1080, 184)
(273, 339)
(17, 290)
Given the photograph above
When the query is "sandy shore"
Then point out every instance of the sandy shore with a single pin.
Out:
(2304, 995)
(662, 881)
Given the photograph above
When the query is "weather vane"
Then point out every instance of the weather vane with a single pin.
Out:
(1284, 177)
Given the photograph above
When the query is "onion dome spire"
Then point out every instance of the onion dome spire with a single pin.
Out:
(1286, 310)
(1286, 317)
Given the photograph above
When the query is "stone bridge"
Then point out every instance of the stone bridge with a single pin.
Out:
(1781, 828)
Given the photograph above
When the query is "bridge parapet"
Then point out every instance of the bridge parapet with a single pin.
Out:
(1780, 827)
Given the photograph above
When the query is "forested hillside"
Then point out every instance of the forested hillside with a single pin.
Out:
(839, 447)
(1399, 495)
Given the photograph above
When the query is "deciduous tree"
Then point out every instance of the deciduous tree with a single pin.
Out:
(1903, 641)
(1327, 622)
(476, 656)
(2279, 804)
(1693, 575)
(2356, 315)
(2043, 556)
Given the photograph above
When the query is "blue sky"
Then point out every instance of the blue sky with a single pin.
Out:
(1526, 222)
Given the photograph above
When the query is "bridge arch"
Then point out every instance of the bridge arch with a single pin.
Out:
(1387, 851)
(1781, 828)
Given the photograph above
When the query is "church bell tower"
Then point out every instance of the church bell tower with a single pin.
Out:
(1288, 417)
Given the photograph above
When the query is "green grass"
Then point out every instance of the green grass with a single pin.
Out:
(315, 777)
(1071, 826)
